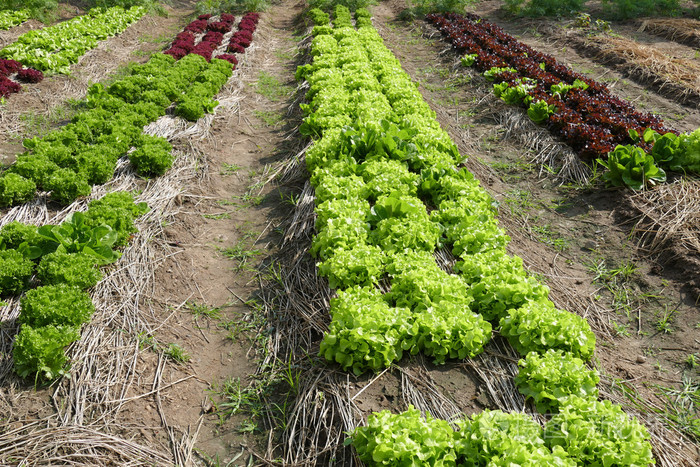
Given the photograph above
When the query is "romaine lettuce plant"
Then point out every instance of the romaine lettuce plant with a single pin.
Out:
(76, 235)
(539, 111)
(493, 72)
(631, 166)
(468, 59)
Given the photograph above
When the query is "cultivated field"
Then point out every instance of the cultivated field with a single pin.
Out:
(239, 261)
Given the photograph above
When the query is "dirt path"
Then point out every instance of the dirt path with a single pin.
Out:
(227, 226)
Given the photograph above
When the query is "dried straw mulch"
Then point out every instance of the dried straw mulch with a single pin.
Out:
(683, 30)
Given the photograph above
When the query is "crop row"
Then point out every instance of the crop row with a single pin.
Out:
(579, 110)
(9, 68)
(64, 260)
(388, 194)
(55, 48)
(187, 41)
(588, 117)
(11, 18)
(67, 161)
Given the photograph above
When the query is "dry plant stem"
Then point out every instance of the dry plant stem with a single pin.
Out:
(38, 444)
(676, 78)
(549, 152)
(670, 447)
(670, 216)
(683, 30)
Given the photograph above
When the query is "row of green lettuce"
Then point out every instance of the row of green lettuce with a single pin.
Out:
(55, 48)
(55, 265)
(11, 18)
(109, 124)
(388, 194)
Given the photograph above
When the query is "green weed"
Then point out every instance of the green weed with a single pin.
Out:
(269, 117)
(199, 310)
(223, 215)
(664, 320)
(270, 87)
(240, 253)
(683, 406)
(176, 353)
(229, 169)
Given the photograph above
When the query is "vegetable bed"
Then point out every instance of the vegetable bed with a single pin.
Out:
(374, 233)
(575, 108)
